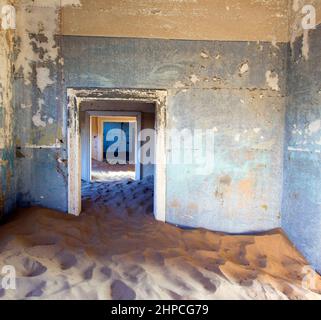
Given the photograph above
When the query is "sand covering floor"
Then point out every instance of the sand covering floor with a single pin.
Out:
(116, 250)
(102, 171)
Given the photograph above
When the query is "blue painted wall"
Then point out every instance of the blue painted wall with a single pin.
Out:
(41, 168)
(301, 210)
(7, 176)
(120, 126)
(243, 193)
(206, 89)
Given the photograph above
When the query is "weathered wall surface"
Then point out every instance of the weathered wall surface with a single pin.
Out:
(234, 88)
(7, 151)
(148, 122)
(296, 15)
(94, 138)
(40, 136)
(301, 212)
(238, 20)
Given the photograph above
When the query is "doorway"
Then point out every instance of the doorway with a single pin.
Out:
(78, 168)
(109, 143)
(113, 147)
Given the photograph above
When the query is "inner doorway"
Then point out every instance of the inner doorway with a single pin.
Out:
(79, 128)
(110, 141)
(116, 138)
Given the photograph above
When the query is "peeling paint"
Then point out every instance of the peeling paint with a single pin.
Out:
(52, 146)
(315, 126)
(179, 85)
(244, 68)
(37, 121)
(43, 78)
(272, 80)
(194, 78)
(204, 55)
(38, 23)
(237, 21)
(305, 45)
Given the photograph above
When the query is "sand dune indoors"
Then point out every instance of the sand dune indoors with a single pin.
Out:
(118, 251)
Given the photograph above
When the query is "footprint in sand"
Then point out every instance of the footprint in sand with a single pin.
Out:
(198, 276)
(33, 268)
(262, 261)
(174, 295)
(88, 273)
(120, 291)
(37, 292)
(135, 273)
(247, 280)
(26, 267)
(106, 271)
(287, 289)
(66, 260)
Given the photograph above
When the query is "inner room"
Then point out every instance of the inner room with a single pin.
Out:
(117, 153)
(112, 148)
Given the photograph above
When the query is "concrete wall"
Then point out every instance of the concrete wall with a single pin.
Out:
(301, 210)
(148, 122)
(7, 148)
(237, 20)
(95, 139)
(39, 107)
(237, 88)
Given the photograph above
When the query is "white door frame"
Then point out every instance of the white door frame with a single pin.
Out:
(88, 134)
(75, 97)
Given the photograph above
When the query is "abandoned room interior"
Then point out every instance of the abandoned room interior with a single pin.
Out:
(160, 149)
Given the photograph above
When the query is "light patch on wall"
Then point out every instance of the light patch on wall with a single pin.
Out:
(244, 68)
(43, 78)
(56, 145)
(38, 21)
(318, 142)
(305, 45)
(179, 85)
(25, 106)
(8, 15)
(272, 80)
(194, 78)
(50, 3)
(315, 126)
(204, 55)
(275, 44)
(40, 18)
(37, 121)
